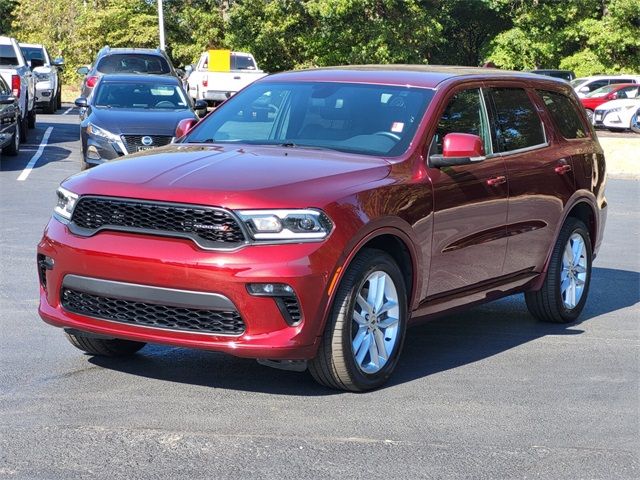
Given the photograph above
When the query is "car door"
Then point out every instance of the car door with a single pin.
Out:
(8, 113)
(540, 172)
(470, 203)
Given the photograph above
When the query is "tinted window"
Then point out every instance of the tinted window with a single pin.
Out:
(8, 55)
(564, 114)
(596, 85)
(4, 88)
(140, 95)
(621, 80)
(366, 119)
(133, 63)
(517, 122)
(31, 52)
(464, 114)
(628, 92)
(242, 62)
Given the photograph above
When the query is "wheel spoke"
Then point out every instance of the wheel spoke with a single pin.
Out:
(359, 319)
(567, 255)
(357, 341)
(580, 282)
(382, 348)
(363, 304)
(388, 305)
(380, 292)
(373, 352)
(577, 247)
(566, 283)
(388, 322)
(580, 268)
(373, 290)
(572, 294)
(364, 348)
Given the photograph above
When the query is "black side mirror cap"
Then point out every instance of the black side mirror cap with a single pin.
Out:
(438, 161)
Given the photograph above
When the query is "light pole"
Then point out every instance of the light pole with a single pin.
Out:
(161, 24)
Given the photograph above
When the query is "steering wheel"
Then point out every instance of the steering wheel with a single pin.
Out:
(390, 135)
(165, 104)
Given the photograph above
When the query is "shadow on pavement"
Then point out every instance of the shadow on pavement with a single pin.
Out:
(18, 163)
(442, 344)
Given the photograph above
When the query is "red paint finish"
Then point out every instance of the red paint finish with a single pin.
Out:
(591, 103)
(463, 234)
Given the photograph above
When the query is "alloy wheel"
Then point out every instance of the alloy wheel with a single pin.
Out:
(573, 276)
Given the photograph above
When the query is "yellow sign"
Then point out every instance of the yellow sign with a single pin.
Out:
(219, 60)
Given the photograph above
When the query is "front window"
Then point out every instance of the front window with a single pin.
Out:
(577, 82)
(357, 118)
(601, 92)
(133, 63)
(140, 95)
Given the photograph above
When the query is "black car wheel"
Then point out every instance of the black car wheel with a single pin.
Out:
(14, 147)
(31, 118)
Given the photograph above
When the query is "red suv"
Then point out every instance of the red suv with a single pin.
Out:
(317, 214)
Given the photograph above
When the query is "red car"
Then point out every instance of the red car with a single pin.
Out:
(607, 93)
(317, 214)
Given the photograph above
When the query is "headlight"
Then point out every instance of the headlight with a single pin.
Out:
(307, 224)
(42, 77)
(101, 132)
(66, 202)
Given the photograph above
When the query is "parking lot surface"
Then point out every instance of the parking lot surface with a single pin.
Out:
(489, 393)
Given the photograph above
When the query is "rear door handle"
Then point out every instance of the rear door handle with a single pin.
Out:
(562, 169)
(492, 182)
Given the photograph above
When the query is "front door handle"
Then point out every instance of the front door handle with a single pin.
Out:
(495, 181)
(562, 169)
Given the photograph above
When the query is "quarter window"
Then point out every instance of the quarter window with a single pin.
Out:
(564, 114)
(517, 122)
(465, 113)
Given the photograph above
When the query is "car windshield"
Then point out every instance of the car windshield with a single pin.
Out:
(32, 52)
(602, 91)
(133, 63)
(358, 118)
(140, 95)
(8, 56)
(577, 82)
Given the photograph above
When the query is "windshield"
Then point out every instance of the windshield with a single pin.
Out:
(133, 63)
(578, 81)
(365, 119)
(33, 52)
(8, 56)
(602, 91)
(134, 95)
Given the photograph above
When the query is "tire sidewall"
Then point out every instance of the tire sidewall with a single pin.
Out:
(385, 263)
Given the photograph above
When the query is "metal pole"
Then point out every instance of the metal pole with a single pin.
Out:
(161, 24)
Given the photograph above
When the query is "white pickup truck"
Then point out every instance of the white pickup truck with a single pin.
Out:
(16, 72)
(216, 86)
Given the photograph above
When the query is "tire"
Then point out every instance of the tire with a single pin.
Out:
(548, 304)
(51, 106)
(31, 116)
(59, 99)
(617, 130)
(23, 128)
(14, 147)
(104, 347)
(336, 364)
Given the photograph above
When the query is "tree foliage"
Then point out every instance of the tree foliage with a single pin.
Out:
(588, 36)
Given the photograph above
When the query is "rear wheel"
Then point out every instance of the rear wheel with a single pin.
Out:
(14, 147)
(365, 331)
(23, 128)
(103, 347)
(566, 286)
(51, 106)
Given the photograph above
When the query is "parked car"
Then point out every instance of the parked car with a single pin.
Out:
(122, 61)
(316, 214)
(586, 85)
(18, 75)
(616, 115)
(635, 121)
(9, 120)
(608, 93)
(216, 87)
(131, 113)
(567, 75)
(47, 81)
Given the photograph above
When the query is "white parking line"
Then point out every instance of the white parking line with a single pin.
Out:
(32, 163)
(67, 110)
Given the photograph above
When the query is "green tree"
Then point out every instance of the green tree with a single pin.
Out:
(6, 15)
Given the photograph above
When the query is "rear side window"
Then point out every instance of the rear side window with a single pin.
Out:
(8, 56)
(4, 88)
(564, 114)
(133, 63)
(242, 62)
(517, 122)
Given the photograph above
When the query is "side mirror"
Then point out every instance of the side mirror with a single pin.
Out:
(81, 102)
(7, 99)
(184, 126)
(58, 62)
(459, 149)
(82, 70)
(200, 107)
(584, 90)
(36, 62)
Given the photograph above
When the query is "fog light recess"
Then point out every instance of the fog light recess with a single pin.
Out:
(283, 295)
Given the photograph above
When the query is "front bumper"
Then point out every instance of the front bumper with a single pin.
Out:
(178, 264)
(44, 92)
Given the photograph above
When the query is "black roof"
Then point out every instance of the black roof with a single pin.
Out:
(139, 77)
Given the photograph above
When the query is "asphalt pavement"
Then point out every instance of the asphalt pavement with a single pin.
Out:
(489, 393)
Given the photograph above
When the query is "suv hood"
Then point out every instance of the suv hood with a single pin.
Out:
(139, 121)
(232, 177)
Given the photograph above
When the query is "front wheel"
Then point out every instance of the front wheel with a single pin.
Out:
(366, 327)
(14, 147)
(103, 347)
(565, 288)
(31, 118)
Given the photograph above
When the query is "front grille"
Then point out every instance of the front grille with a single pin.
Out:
(152, 314)
(132, 142)
(293, 308)
(208, 227)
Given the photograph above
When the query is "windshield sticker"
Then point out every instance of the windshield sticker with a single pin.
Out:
(397, 127)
